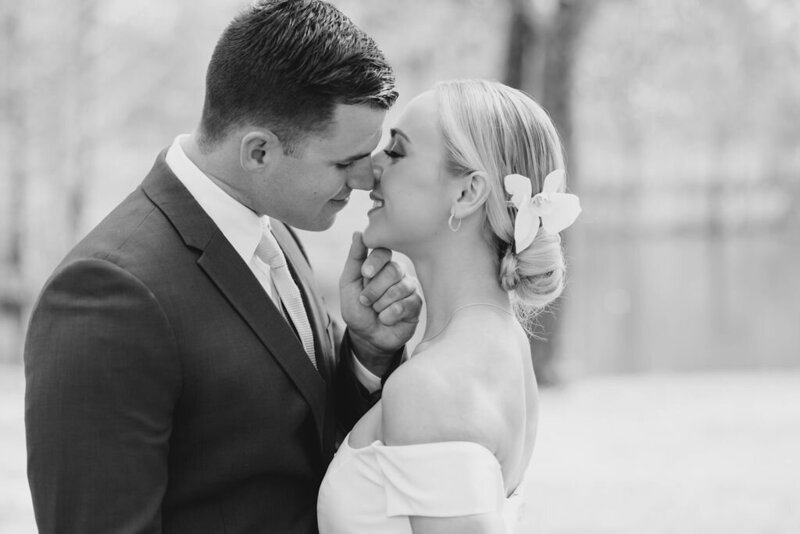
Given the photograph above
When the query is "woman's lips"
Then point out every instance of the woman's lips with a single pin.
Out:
(377, 203)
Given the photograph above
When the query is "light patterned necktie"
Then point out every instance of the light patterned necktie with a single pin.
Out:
(270, 253)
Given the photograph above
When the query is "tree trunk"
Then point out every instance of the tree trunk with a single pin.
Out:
(540, 59)
(12, 111)
(525, 57)
(13, 106)
(81, 116)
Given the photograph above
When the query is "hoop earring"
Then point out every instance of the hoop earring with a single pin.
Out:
(457, 227)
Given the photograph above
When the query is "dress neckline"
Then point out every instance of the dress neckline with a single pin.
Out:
(379, 443)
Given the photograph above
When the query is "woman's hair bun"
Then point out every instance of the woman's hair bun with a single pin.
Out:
(509, 275)
(535, 276)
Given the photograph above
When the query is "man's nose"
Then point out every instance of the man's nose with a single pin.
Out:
(363, 175)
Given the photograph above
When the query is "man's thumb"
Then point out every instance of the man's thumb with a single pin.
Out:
(355, 258)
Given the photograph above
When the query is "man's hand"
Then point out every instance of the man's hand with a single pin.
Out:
(379, 303)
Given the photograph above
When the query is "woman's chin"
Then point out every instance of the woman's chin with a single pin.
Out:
(372, 238)
(379, 236)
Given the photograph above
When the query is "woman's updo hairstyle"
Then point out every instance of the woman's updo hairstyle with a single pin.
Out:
(495, 130)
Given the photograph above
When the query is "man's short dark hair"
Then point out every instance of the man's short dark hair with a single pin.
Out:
(285, 65)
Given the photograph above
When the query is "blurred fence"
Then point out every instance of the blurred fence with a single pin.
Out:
(685, 277)
(655, 302)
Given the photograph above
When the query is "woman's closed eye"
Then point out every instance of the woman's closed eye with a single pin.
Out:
(394, 151)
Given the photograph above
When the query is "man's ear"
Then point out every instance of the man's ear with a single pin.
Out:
(472, 194)
(258, 149)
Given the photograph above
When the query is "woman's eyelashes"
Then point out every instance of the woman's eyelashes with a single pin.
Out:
(394, 150)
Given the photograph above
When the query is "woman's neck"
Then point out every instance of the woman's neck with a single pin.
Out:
(455, 277)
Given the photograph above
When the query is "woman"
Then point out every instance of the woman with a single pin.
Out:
(447, 447)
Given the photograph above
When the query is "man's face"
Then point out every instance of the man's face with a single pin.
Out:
(308, 189)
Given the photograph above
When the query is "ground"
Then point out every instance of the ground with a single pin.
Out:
(707, 453)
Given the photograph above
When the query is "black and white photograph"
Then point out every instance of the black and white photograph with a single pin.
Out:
(400, 267)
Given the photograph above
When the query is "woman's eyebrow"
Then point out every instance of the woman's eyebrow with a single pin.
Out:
(400, 133)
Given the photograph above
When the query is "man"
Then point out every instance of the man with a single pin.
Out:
(181, 377)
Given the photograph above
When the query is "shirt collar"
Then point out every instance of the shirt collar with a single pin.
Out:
(240, 225)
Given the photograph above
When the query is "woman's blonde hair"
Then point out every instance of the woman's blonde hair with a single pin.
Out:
(495, 130)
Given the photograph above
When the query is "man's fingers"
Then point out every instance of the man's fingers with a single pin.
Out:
(406, 310)
(390, 274)
(355, 259)
(375, 262)
(399, 291)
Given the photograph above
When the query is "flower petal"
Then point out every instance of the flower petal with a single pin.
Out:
(520, 189)
(555, 182)
(566, 208)
(526, 226)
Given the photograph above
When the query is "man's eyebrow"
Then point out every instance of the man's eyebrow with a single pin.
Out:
(356, 157)
(399, 132)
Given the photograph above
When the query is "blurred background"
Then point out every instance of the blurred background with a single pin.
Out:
(671, 366)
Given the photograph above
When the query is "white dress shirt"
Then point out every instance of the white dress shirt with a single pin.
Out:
(240, 226)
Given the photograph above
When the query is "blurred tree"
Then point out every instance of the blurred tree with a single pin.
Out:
(542, 46)
(80, 112)
(14, 179)
(688, 137)
(47, 102)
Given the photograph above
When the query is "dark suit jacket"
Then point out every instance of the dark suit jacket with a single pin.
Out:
(165, 393)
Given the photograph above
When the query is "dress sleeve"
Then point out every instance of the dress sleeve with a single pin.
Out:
(445, 479)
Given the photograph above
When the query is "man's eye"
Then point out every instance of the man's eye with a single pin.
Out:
(344, 166)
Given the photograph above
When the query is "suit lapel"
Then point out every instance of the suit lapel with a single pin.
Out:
(237, 283)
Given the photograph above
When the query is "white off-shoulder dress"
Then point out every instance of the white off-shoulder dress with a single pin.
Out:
(373, 489)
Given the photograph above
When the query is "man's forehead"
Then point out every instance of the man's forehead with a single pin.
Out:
(354, 130)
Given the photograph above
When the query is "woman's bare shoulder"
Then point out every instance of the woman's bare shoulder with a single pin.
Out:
(435, 397)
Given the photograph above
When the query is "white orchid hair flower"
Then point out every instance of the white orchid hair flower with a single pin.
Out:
(551, 210)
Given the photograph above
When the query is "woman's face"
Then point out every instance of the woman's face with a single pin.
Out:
(412, 195)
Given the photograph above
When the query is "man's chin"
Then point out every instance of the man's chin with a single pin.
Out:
(325, 218)
(318, 225)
